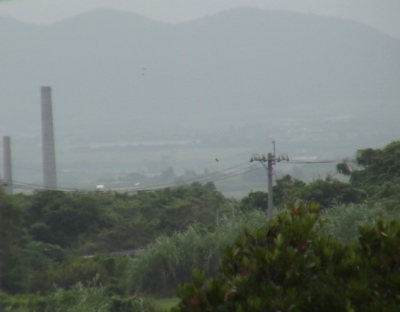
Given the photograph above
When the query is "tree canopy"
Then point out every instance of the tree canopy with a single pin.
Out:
(374, 166)
(291, 265)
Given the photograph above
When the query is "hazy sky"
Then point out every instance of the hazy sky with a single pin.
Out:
(381, 14)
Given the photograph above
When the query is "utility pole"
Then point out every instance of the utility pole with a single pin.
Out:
(271, 160)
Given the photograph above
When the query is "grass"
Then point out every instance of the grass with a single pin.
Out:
(166, 304)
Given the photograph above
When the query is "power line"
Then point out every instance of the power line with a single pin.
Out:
(306, 162)
(210, 177)
(217, 176)
(32, 186)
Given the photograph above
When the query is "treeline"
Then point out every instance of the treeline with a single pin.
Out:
(53, 241)
(41, 233)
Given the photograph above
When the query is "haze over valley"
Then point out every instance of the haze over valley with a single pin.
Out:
(136, 96)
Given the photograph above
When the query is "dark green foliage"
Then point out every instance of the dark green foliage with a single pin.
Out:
(13, 239)
(145, 216)
(330, 191)
(210, 186)
(343, 168)
(39, 230)
(379, 252)
(108, 270)
(30, 263)
(326, 193)
(60, 218)
(377, 172)
(286, 190)
(254, 201)
(290, 265)
(374, 167)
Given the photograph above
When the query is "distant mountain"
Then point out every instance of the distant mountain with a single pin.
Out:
(116, 73)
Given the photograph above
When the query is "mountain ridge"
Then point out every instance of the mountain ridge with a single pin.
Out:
(239, 60)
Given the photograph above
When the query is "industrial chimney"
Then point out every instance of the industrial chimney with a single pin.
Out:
(7, 165)
(48, 148)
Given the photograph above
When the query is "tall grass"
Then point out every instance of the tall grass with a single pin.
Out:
(79, 298)
(170, 260)
(343, 221)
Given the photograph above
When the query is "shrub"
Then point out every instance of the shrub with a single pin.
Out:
(291, 265)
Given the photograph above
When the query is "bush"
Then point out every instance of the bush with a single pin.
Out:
(291, 265)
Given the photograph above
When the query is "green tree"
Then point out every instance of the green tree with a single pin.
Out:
(60, 218)
(291, 265)
(13, 239)
(286, 190)
(254, 201)
(140, 218)
(374, 167)
(330, 192)
(377, 172)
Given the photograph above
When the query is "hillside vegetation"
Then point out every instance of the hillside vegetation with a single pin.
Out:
(56, 245)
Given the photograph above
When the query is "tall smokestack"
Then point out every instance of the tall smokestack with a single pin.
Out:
(48, 148)
(7, 165)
